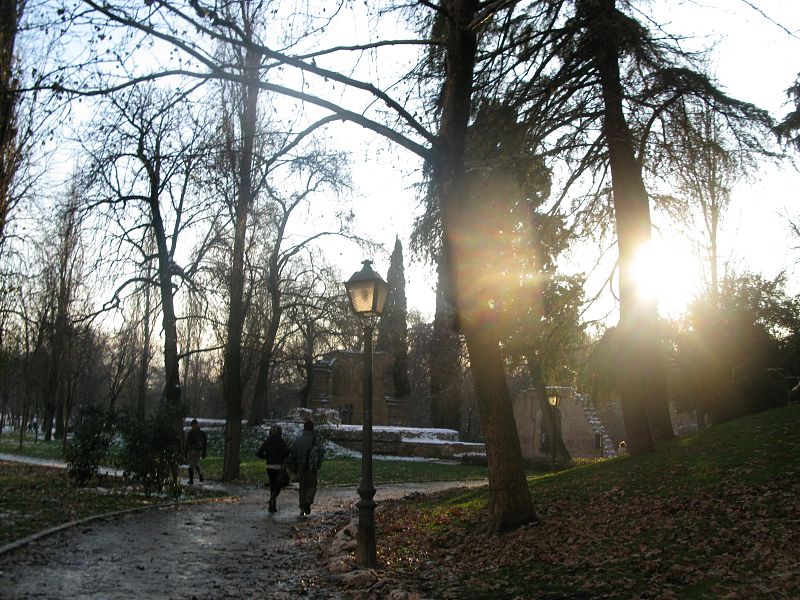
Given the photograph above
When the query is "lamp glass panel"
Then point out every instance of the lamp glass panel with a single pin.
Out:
(362, 294)
(382, 292)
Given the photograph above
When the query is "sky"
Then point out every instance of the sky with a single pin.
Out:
(754, 60)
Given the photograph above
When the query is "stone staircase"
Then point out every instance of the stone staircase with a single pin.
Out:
(597, 425)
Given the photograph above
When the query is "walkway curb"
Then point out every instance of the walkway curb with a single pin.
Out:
(47, 532)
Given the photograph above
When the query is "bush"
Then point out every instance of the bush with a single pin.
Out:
(90, 443)
(151, 449)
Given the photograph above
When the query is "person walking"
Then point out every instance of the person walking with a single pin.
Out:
(196, 444)
(275, 451)
(308, 456)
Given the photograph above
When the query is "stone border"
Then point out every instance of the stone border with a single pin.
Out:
(47, 532)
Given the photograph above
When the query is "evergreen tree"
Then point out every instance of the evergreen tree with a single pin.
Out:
(393, 328)
(789, 128)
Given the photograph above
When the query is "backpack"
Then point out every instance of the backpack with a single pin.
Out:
(316, 454)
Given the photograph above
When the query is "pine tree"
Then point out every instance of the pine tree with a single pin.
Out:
(393, 328)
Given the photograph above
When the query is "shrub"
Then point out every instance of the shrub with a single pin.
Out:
(90, 443)
(151, 449)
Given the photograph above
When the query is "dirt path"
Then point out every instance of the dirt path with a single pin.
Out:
(232, 549)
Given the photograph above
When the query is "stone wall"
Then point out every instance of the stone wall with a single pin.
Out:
(580, 427)
(339, 384)
(409, 442)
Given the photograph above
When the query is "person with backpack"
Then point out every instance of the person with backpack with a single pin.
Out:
(308, 455)
(275, 451)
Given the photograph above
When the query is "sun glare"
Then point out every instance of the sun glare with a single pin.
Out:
(668, 273)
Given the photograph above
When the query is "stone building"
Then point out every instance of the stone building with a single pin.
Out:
(583, 432)
(338, 383)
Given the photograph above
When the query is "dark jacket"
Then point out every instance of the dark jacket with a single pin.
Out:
(274, 450)
(302, 446)
(197, 441)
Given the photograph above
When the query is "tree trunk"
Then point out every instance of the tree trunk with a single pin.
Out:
(10, 14)
(643, 387)
(509, 496)
(47, 422)
(260, 406)
(712, 234)
(308, 362)
(59, 416)
(62, 330)
(144, 359)
(261, 391)
(172, 382)
(232, 365)
(444, 358)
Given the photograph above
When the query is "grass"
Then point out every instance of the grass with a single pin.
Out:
(9, 444)
(708, 516)
(347, 471)
(335, 471)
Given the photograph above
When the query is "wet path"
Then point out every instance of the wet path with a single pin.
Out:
(230, 549)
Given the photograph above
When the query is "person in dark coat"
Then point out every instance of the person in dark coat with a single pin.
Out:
(275, 451)
(306, 467)
(196, 444)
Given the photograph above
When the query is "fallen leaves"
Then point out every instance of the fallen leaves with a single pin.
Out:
(730, 534)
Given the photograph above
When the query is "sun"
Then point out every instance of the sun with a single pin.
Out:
(668, 272)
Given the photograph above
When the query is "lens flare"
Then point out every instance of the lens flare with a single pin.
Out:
(666, 272)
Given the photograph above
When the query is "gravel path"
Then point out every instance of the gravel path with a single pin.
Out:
(230, 549)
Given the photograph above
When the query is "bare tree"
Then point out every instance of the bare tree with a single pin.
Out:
(441, 144)
(63, 275)
(319, 319)
(706, 166)
(317, 172)
(249, 156)
(144, 155)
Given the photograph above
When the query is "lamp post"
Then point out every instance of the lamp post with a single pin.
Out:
(553, 400)
(368, 292)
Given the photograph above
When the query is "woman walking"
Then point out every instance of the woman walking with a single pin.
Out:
(275, 451)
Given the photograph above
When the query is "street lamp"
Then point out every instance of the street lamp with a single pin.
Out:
(554, 400)
(367, 291)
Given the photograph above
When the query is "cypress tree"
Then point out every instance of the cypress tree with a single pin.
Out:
(393, 327)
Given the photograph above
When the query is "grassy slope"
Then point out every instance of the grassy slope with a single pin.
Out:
(710, 516)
